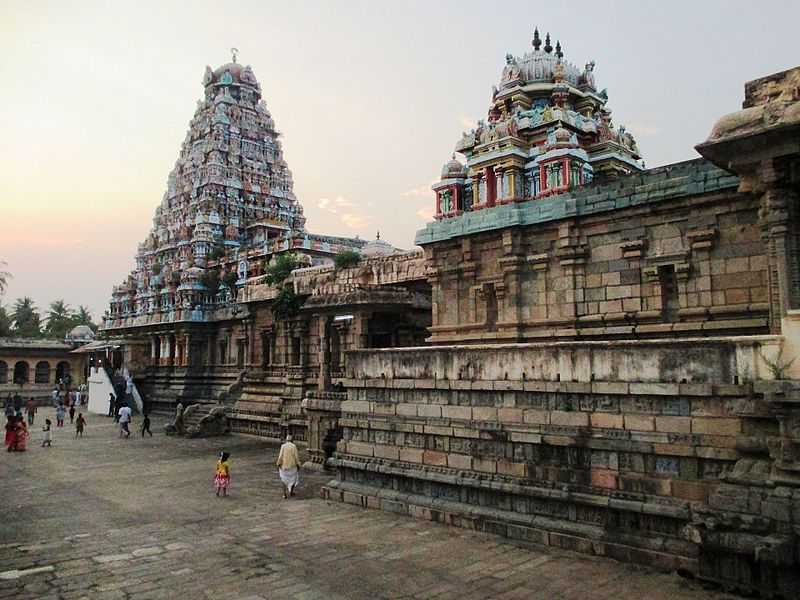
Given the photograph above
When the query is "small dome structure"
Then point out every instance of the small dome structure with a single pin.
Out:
(453, 169)
(378, 247)
(80, 334)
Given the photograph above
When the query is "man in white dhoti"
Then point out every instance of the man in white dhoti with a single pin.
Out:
(288, 466)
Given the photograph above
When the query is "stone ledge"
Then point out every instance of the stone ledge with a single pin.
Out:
(659, 552)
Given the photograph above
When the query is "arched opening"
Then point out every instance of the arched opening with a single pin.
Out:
(63, 372)
(3, 371)
(21, 373)
(42, 373)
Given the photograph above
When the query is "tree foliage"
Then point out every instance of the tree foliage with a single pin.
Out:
(59, 320)
(278, 271)
(83, 316)
(5, 322)
(286, 304)
(216, 252)
(26, 319)
(210, 279)
(346, 258)
(4, 277)
(230, 278)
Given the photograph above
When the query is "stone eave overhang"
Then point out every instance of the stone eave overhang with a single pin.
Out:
(648, 187)
(480, 159)
(767, 141)
(546, 87)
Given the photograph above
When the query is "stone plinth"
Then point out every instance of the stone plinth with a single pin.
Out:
(659, 452)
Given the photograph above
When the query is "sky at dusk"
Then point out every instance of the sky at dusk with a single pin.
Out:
(370, 98)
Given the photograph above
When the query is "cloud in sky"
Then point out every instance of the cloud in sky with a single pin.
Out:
(334, 205)
(423, 191)
(355, 221)
(342, 207)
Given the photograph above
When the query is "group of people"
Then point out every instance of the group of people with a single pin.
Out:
(288, 464)
(123, 415)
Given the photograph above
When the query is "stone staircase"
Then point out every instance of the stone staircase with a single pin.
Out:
(205, 419)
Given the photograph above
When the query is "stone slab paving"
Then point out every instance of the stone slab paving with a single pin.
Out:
(109, 518)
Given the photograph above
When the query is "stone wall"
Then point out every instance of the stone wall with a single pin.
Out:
(674, 251)
(651, 451)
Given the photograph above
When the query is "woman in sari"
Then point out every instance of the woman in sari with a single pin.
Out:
(11, 433)
(22, 436)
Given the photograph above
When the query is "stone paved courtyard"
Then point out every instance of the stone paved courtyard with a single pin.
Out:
(102, 517)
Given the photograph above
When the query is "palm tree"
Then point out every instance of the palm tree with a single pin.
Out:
(27, 321)
(60, 319)
(4, 277)
(84, 317)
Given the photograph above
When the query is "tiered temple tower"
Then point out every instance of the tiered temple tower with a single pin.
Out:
(229, 202)
(548, 130)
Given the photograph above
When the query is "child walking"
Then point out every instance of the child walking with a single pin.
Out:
(79, 425)
(48, 434)
(60, 414)
(146, 425)
(222, 477)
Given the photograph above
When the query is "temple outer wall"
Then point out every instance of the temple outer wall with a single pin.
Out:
(619, 448)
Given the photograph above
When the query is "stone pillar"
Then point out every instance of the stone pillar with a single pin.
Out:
(164, 351)
(324, 377)
(476, 190)
(187, 344)
(172, 349)
(361, 333)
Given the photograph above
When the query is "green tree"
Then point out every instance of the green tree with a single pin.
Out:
(230, 278)
(216, 252)
(4, 277)
(346, 258)
(286, 304)
(278, 271)
(59, 320)
(5, 322)
(84, 317)
(210, 279)
(26, 319)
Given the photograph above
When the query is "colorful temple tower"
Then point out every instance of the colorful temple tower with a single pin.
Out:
(548, 130)
(228, 206)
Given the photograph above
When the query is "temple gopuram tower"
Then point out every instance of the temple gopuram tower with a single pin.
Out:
(548, 130)
(229, 205)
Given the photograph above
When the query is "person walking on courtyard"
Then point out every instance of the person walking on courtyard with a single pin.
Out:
(47, 437)
(54, 396)
(22, 436)
(124, 416)
(9, 406)
(112, 405)
(222, 476)
(71, 412)
(288, 466)
(60, 414)
(79, 425)
(146, 425)
(11, 433)
(30, 410)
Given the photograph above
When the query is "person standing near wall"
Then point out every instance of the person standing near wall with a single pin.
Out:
(288, 466)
